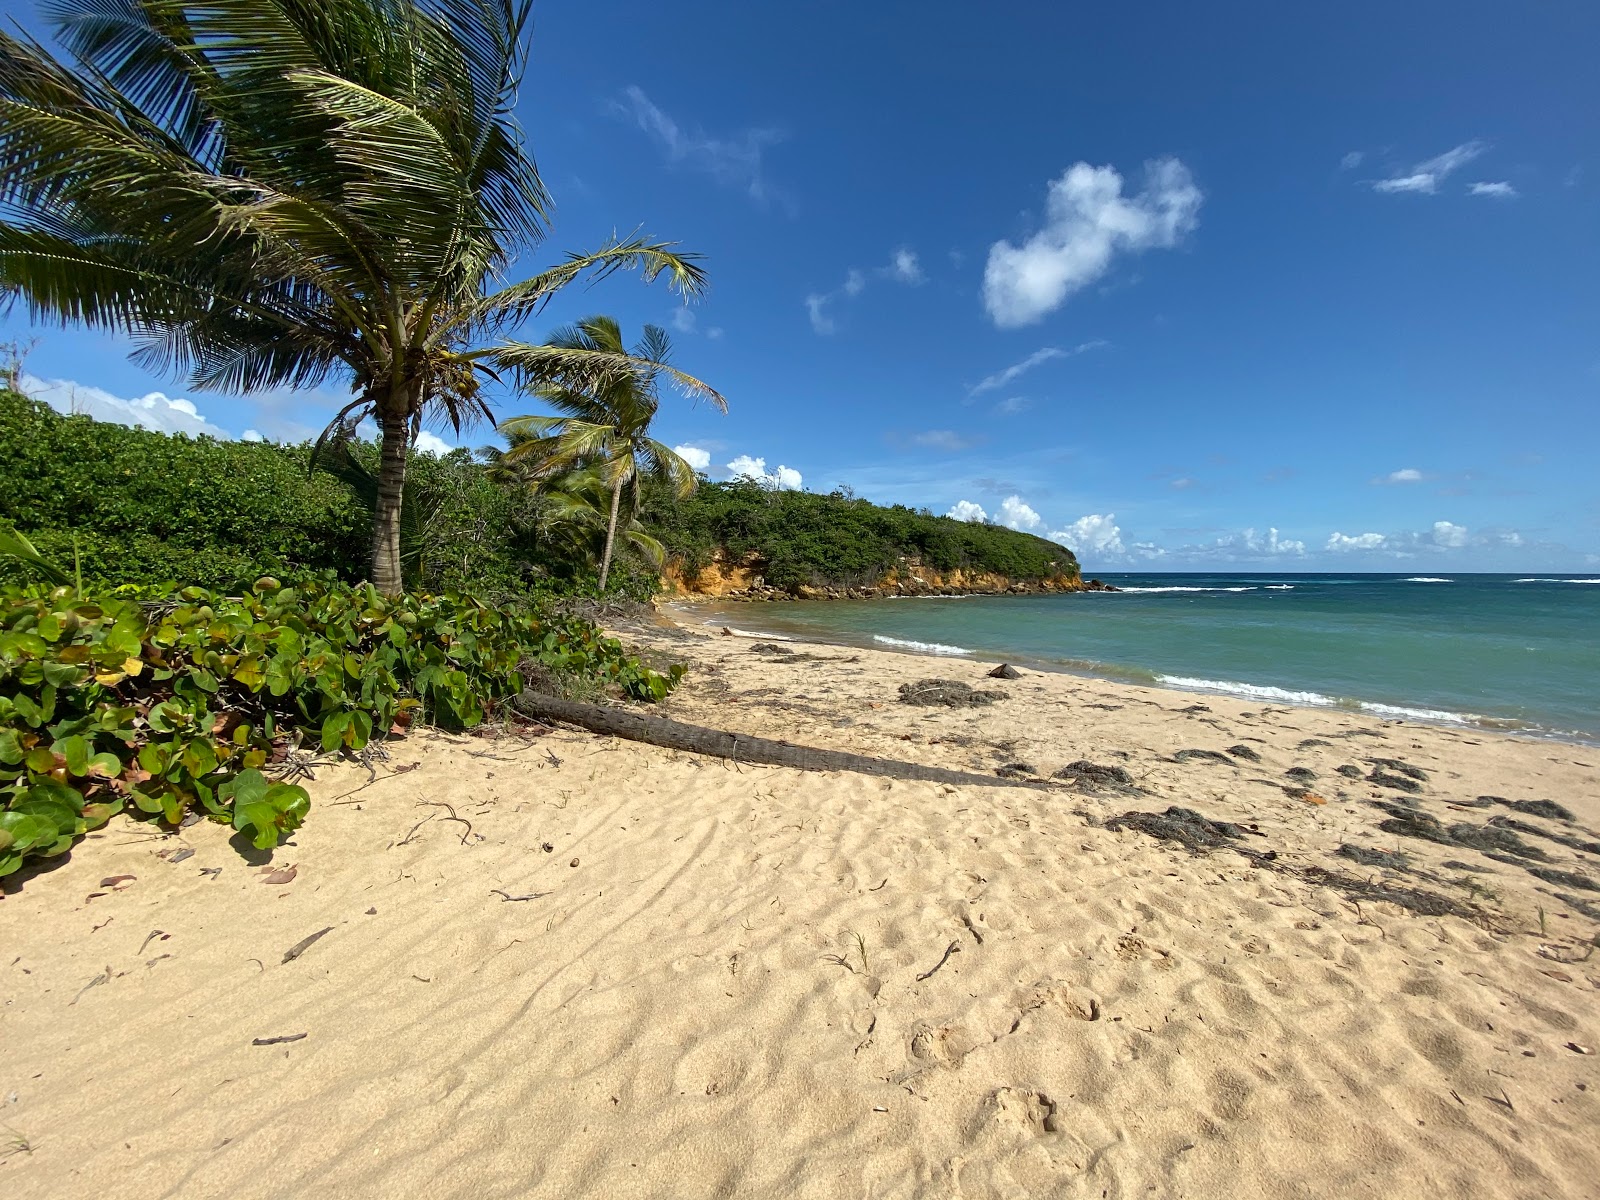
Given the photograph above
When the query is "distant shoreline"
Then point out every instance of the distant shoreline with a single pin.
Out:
(692, 613)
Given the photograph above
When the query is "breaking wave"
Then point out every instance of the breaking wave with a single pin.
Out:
(920, 647)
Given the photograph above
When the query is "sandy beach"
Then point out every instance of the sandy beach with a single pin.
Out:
(550, 964)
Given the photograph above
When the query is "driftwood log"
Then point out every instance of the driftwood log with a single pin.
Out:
(740, 747)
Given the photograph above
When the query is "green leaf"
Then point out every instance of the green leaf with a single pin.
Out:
(10, 747)
(333, 730)
(76, 751)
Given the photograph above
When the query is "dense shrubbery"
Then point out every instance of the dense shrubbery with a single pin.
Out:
(805, 538)
(149, 508)
(186, 702)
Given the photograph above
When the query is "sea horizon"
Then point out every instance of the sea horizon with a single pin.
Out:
(1496, 651)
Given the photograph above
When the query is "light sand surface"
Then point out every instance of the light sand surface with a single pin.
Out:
(718, 990)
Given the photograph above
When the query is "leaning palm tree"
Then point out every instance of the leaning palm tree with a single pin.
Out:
(603, 420)
(270, 193)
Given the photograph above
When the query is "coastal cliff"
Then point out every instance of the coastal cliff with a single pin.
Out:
(745, 579)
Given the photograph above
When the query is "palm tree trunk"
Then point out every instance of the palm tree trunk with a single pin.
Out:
(611, 533)
(386, 574)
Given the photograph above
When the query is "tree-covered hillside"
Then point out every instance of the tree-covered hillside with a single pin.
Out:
(149, 508)
(837, 539)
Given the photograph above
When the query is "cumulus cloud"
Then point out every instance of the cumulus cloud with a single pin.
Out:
(903, 268)
(966, 510)
(432, 443)
(1094, 534)
(781, 477)
(1442, 536)
(153, 410)
(1250, 544)
(697, 458)
(734, 161)
(1497, 191)
(1017, 515)
(251, 435)
(683, 319)
(1425, 177)
(1088, 222)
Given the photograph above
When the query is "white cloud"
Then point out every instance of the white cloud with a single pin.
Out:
(999, 379)
(697, 458)
(154, 410)
(431, 443)
(1089, 221)
(1403, 475)
(903, 268)
(1351, 161)
(1497, 191)
(966, 510)
(1342, 543)
(817, 310)
(251, 435)
(735, 161)
(683, 319)
(1182, 483)
(1017, 515)
(783, 478)
(1094, 534)
(1012, 405)
(943, 439)
(713, 333)
(1425, 177)
(1444, 535)
(1251, 544)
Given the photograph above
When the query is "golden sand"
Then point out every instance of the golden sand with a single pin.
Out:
(721, 984)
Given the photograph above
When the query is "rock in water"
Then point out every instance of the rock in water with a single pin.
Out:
(1005, 671)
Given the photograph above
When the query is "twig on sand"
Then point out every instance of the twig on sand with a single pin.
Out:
(451, 817)
(277, 1041)
(506, 896)
(407, 839)
(304, 944)
(952, 948)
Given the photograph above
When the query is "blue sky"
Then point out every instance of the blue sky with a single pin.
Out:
(1187, 287)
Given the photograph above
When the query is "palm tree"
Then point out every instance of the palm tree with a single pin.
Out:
(270, 193)
(605, 416)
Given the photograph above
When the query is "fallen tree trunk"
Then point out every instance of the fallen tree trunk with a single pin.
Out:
(740, 747)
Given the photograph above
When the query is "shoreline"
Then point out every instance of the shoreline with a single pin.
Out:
(1263, 694)
(1216, 948)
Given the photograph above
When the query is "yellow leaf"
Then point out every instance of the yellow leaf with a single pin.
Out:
(133, 666)
(109, 678)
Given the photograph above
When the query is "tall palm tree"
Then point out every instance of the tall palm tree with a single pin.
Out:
(269, 193)
(604, 418)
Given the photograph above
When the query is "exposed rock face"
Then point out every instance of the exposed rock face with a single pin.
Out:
(743, 580)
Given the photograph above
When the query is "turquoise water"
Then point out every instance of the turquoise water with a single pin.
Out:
(1491, 650)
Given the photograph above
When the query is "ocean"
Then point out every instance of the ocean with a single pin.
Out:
(1496, 651)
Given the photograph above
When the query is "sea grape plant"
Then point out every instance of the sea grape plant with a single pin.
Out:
(185, 703)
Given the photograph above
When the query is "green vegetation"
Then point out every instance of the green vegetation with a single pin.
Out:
(269, 193)
(804, 538)
(604, 426)
(193, 702)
